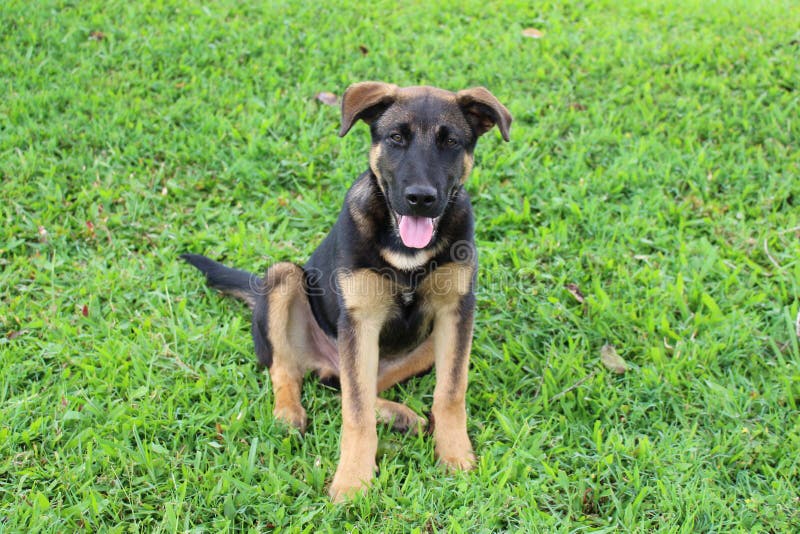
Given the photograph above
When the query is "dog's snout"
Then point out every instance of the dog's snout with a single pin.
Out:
(420, 196)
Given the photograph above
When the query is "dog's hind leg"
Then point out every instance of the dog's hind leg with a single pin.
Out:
(396, 370)
(282, 326)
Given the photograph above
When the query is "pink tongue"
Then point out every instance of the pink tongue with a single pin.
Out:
(416, 232)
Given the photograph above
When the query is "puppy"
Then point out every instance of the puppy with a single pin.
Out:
(389, 293)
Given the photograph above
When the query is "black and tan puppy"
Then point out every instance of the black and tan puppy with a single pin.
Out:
(389, 292)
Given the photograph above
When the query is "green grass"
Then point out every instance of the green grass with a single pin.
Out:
(654, 163)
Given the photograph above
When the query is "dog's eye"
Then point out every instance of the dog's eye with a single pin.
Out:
(451, 142)
(397, 138)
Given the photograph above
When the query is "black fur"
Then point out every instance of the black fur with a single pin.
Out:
(240, 284)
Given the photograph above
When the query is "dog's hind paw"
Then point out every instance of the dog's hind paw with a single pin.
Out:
(401, 417)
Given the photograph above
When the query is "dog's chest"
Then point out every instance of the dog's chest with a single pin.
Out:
(411, 307)
(407, 297)
(409, 323)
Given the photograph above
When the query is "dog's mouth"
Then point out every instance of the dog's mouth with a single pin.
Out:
(415, 232)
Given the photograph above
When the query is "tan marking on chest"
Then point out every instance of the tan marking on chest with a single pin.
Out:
(447, 284)
(367, 295)
(407, 262)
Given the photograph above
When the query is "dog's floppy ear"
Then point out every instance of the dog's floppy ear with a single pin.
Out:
(364, 100)
(483, 110)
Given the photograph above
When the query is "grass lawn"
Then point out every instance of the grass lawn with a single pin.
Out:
(649, 199)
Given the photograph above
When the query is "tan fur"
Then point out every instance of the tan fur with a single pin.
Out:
(469, 162)
(367, 297)
(297, 342)
(396, 370)
(358, 447)
(400, 416)
(374, 156)
(409, 262)
(287, 369)
(452, 444)
(287, 383)
(445, 287)
(447, 284)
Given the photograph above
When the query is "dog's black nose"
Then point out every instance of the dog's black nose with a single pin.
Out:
(420, 196)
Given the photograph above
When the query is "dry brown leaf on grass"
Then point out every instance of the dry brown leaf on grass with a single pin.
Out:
(329, 99)
(611, 360)
(533, 33)
(576, 292)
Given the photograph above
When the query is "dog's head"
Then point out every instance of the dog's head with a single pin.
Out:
(423, 139)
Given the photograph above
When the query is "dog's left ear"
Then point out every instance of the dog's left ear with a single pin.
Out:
(364, 100)
(483, 111)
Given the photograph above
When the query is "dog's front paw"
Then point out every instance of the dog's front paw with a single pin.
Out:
(454, 451)
(348, 484)
(292, 415)
(460, 462)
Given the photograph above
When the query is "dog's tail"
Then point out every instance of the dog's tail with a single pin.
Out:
(239, 284)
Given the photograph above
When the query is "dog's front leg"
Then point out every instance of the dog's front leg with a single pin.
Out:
(452, 342)
(364, 308)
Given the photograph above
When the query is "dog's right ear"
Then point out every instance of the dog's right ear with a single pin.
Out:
(483, 111)
(365, 100)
